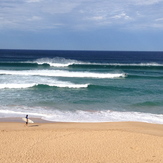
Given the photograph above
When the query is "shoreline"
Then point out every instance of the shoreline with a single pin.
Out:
(61, 142)
(19, 119)
(39, 120)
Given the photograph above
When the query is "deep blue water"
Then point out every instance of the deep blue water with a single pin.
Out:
(91, 56)
(82, 86)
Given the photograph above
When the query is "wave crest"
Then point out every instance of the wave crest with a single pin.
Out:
(60, 85)
(57, 62)
(61, 73)
(62, 62)
(16, 86)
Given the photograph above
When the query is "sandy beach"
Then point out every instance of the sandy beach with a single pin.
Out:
(120, 142)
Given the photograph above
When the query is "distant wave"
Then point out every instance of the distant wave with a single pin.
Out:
(119, 66)
(135, 64)
(61, 73)
(80, 115)
(62, 62)
(57, 62)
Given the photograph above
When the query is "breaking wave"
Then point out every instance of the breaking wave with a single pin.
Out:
(62, 73)
(60, 85)
(57, 62)
(62, 62)
(82, 116)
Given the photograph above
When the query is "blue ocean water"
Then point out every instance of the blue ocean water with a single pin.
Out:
(82, 86)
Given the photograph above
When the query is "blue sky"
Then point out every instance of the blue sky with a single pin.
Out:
(82, 24)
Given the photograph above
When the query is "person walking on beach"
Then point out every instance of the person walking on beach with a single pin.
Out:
(26, 120)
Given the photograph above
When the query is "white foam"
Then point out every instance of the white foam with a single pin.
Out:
(62, 62)
(19, 82)
(57, 62)
(62, 73)
(62, 85)
(70, 85)
(104, 116)
(82, 116)
(9, 113)
(12, 85)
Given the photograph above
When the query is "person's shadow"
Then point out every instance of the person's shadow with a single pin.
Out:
(33, 125)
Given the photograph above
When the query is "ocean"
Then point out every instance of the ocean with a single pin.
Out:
(82, 86)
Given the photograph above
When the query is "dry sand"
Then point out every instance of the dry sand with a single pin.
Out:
(121, 142)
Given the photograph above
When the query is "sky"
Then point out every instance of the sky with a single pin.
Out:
(128, 25)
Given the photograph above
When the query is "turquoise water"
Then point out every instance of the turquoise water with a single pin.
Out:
(78, 86)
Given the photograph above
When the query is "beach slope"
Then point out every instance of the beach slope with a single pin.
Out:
(127, 142)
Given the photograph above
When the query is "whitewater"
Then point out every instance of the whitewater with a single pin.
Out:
(69, 86)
